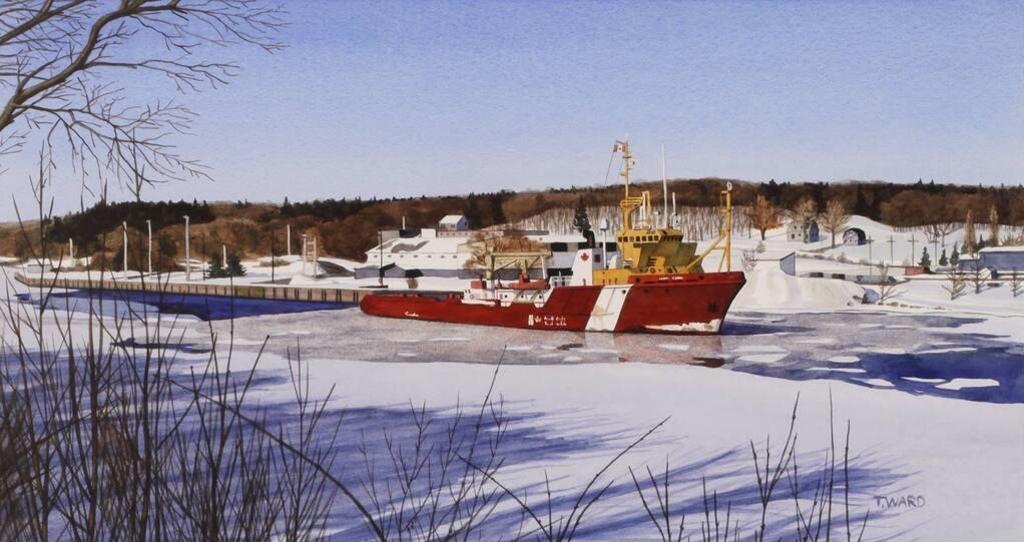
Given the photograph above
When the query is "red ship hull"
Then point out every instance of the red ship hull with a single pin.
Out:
(688, 304)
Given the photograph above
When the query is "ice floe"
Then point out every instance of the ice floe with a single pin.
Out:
(948, 350)
(877, 382)
(923, 380)
(964, 383)
(763, 358)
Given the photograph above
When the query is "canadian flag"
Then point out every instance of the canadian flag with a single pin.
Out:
(620, 146)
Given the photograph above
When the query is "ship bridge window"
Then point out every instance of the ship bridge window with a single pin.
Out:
(559, 247)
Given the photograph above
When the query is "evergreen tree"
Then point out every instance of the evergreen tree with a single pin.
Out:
(215, 269)
(981, 243)
(926, 261)
(954, 257)
(235, 268)
(943, 260)
(581, 222)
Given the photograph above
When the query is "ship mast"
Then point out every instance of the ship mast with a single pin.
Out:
(628, 203)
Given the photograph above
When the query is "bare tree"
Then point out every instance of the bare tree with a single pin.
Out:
(806, 209)
(1016, 282)
(976, 275)
(957, 283)
(835, 217)
(59, 67)
(763, 215)
(887, 289)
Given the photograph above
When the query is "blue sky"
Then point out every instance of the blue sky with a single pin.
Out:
(409, 98)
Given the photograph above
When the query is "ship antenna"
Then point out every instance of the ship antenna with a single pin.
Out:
(627, 157)
(664, 189)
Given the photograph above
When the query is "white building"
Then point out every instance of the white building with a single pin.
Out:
(431, 253)
(453, 223)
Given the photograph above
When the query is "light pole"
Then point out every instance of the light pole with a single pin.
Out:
(288, 238)
(316, 255)
(380, 266)
(273, 237)
(188, 255)
(71, 249)
(124, 247)
(149, 250)
(304, 254)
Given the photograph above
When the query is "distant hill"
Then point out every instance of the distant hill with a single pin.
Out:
(348, 227)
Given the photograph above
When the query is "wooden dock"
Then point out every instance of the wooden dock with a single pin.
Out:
(270, 292)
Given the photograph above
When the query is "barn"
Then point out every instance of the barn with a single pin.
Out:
(854, 237)
(803, 230)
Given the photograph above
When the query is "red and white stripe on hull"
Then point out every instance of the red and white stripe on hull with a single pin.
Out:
(608, 307)
(688, 304)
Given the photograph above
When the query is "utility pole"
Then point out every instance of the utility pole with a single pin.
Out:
(316, 256)
(288, 237)
(273, 264)
(124, 247)
(149, 251)
(913, 250)
(892, 251)
(303, 254)
(871, 261)
(71, 249)
(188, 256)
(224, 256)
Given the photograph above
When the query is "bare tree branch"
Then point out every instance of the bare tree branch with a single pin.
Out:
(62, 63)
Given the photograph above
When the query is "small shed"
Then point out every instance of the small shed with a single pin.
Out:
(854, 237)
(803, 230)
(453, 223)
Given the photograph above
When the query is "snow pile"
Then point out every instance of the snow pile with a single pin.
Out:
(770, 288)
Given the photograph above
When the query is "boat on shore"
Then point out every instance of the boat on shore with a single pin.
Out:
(657, 285)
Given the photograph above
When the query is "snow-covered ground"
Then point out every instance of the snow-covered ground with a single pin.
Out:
(933, 389)
(935, 404)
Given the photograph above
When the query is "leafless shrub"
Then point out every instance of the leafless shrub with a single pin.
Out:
(956, 283)
(977, 275)
(749, 260)
(887, 287)
(1016, 282)
(814, 520)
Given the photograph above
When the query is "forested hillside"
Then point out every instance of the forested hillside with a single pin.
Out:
(347, 227)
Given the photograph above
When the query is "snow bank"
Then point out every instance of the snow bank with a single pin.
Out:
(769, 288)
